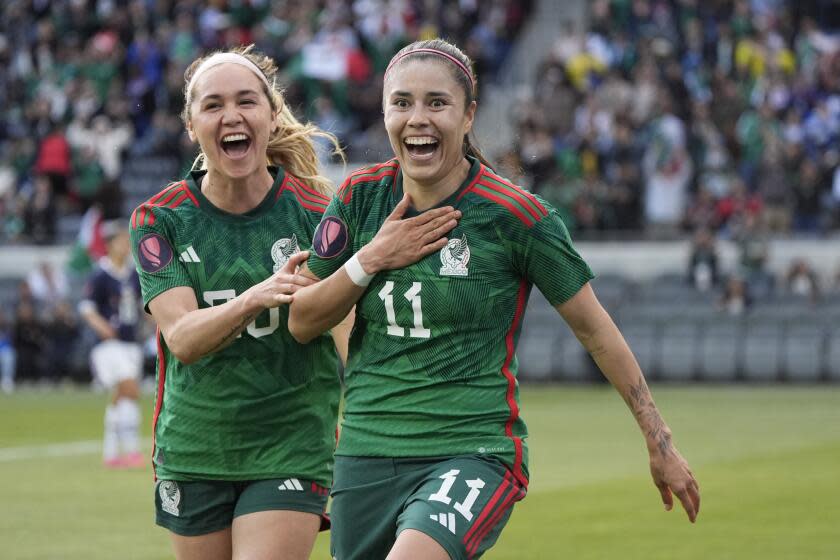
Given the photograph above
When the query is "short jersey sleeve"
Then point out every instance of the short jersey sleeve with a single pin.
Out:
(332, 242)
(544, 255)
(153, 247)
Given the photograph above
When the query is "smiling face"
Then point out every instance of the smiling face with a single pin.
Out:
(426, 117)
(231, 118)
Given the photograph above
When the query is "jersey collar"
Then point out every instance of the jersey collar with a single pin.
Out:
(451, 200)
(194, 184)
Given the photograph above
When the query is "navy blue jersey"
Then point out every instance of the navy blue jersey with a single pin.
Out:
(115, 294)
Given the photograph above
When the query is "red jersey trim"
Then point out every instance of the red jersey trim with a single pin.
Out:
(309, 193)
(514, 195)
(521, 192)
(170, 197)
(290, 186)
(159, 400)
(479, 190)
(368, 174)
(511, 388)
(506, 481)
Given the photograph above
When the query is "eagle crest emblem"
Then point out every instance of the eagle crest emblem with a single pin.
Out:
(170, 496)
(454, 257)
(282, 250)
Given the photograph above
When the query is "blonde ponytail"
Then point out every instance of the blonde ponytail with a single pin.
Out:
(291, 145)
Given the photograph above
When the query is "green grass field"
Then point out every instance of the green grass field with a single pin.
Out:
(767, 459)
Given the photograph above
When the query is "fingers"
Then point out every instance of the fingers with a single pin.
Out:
(435, 214)
(687, 500)
(284, 298)
(400, 209)
(433, 247)
(294, 262)
(694, 493)
(439, 231)
(667, 498)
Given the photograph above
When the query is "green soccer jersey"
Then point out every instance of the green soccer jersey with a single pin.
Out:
(264, 406)
(432, 369)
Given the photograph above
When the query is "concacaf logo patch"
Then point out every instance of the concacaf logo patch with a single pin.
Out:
(330, 238)
(170, 497)
(454, 257)
(282, 250)
(154, 252)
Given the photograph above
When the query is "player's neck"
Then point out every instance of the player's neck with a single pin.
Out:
(236, 196)
(427, 195)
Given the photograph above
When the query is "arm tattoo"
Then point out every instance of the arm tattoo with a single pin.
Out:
(234, 332)
(640, 401)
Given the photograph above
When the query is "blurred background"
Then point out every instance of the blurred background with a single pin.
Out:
(691, 146)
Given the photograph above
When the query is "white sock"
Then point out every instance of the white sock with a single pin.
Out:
(111, 441)
(128, 413)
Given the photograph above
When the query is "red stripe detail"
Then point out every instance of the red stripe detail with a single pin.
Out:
(134, 218)
(522, 201)
(321, 197)
(514, 495)
(159, 400)
(168, 198)
(373, 178)
(301, 193)
(143, 211)
(531, 198)
(177, 202)
(393, 164)
(489, 507)
(190, 194)
(511, 390)
(159, 195)
(506, 203)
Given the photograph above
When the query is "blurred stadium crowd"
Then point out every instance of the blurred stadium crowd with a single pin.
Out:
(685, 115)
(664, 119)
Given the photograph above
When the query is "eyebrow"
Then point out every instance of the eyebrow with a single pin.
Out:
(238, 93)
(428, 94)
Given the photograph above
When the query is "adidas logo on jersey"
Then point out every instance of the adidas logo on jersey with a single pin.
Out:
(291, 484)
(189, 256)
(445, 519)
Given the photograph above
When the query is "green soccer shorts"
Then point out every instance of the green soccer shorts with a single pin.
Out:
(201, 507)
(461, 502)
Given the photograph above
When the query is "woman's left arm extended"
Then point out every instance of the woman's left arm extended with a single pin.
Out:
(600, 336)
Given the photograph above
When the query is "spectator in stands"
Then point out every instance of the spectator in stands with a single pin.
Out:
(54, 161)
(754, 249)
(703, 263)
(735, 298)
(48, 285)
(62, 333)
(40, 212)
(8, 356)
(29, 341)
(801, 281)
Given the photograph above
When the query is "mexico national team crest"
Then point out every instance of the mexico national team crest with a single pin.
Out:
(454, 257)
(282, 250)
(170, 496)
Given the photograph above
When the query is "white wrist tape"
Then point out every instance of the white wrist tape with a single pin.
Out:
(356, 273)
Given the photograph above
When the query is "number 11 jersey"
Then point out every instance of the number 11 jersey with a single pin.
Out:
(432, 365)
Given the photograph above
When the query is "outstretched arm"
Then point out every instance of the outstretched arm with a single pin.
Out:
(398, 243)
(599, 335)
(192, 333)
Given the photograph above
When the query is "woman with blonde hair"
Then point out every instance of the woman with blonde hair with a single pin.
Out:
(245, 417)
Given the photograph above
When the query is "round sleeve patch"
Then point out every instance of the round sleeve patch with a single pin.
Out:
(154, 252)
(330, 237)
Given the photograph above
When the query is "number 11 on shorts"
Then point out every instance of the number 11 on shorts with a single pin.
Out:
(442, 495)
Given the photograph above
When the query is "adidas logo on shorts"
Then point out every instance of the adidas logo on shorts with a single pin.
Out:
(291, 484)
(445, 519)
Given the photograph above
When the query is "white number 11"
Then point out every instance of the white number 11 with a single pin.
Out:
(413, 296)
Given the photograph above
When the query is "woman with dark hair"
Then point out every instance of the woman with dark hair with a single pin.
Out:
(432, 454)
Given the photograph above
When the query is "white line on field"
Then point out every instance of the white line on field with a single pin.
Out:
(72, 448)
